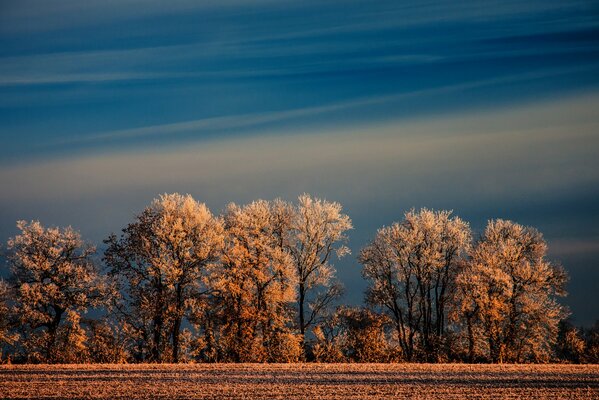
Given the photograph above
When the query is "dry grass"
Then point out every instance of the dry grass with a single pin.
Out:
(290, 381)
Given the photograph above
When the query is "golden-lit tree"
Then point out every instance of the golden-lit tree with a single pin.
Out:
(55, 281)
(317, 233)
(329, 340)
(251, 284)
(7, 337)
(255, 283)
(411, 267)
(365, 337)
(161, 261)
(508, 291)
(107, 343)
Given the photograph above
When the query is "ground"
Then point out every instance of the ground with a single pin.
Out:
(291, 381)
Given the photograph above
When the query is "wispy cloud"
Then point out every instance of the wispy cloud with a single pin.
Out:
(39, 15)
(246, 121)
(466, 148)
(564, 247)
(240, 58)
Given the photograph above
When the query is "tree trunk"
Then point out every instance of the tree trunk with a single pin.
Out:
(302, 296)
(176, 332)
(155, 352)
(470, 339)
(52, 328)
(177, 323)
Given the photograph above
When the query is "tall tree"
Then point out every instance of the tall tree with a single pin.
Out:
(161, 260)
(317, 233)
(54, 280)
(411, 267)
(510, 287)
(255, 282)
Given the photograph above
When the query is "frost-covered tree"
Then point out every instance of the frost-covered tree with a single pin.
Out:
(255, 283)
(509, 290)
(7, 337)
(161, 262)
(329, 340)
(365, 337)
(411, 267)
(106, 342)
(570, 344)
(591, 338)
(55, 281)
(317, 233)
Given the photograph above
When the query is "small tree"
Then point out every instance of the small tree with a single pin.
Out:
(570, 346)
(54, 280)
(591, 339)
(365, 336)
(329, 339)
(107, 343)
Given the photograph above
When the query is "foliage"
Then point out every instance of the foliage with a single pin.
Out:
(411, 268)
(106, 343)
(257, 284)
(7, 337)
(160, 262)
(509, 291)
(54, 281)
(366, 337)
(317, 232)
(591, 338)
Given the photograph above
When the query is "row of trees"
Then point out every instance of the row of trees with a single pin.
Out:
(256, 284)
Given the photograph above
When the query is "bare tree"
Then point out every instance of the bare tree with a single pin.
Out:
(54, 281)
(411, 267)
(317, 233)
(161, 260)
(509, 289)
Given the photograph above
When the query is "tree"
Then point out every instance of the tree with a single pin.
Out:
(54, 280)
(510, 288)
(7, 337)
(591, 339)
(106, 343)
(570, 345)
(411, 267)
(255, 283)
(161, 261)
(317, 232)
(329, 340)
(365, 336)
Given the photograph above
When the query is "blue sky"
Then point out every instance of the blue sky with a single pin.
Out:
(487, 108)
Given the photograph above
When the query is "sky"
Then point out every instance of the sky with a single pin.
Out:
(489, 109)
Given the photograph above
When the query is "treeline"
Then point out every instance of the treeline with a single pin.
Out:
(257, 284)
